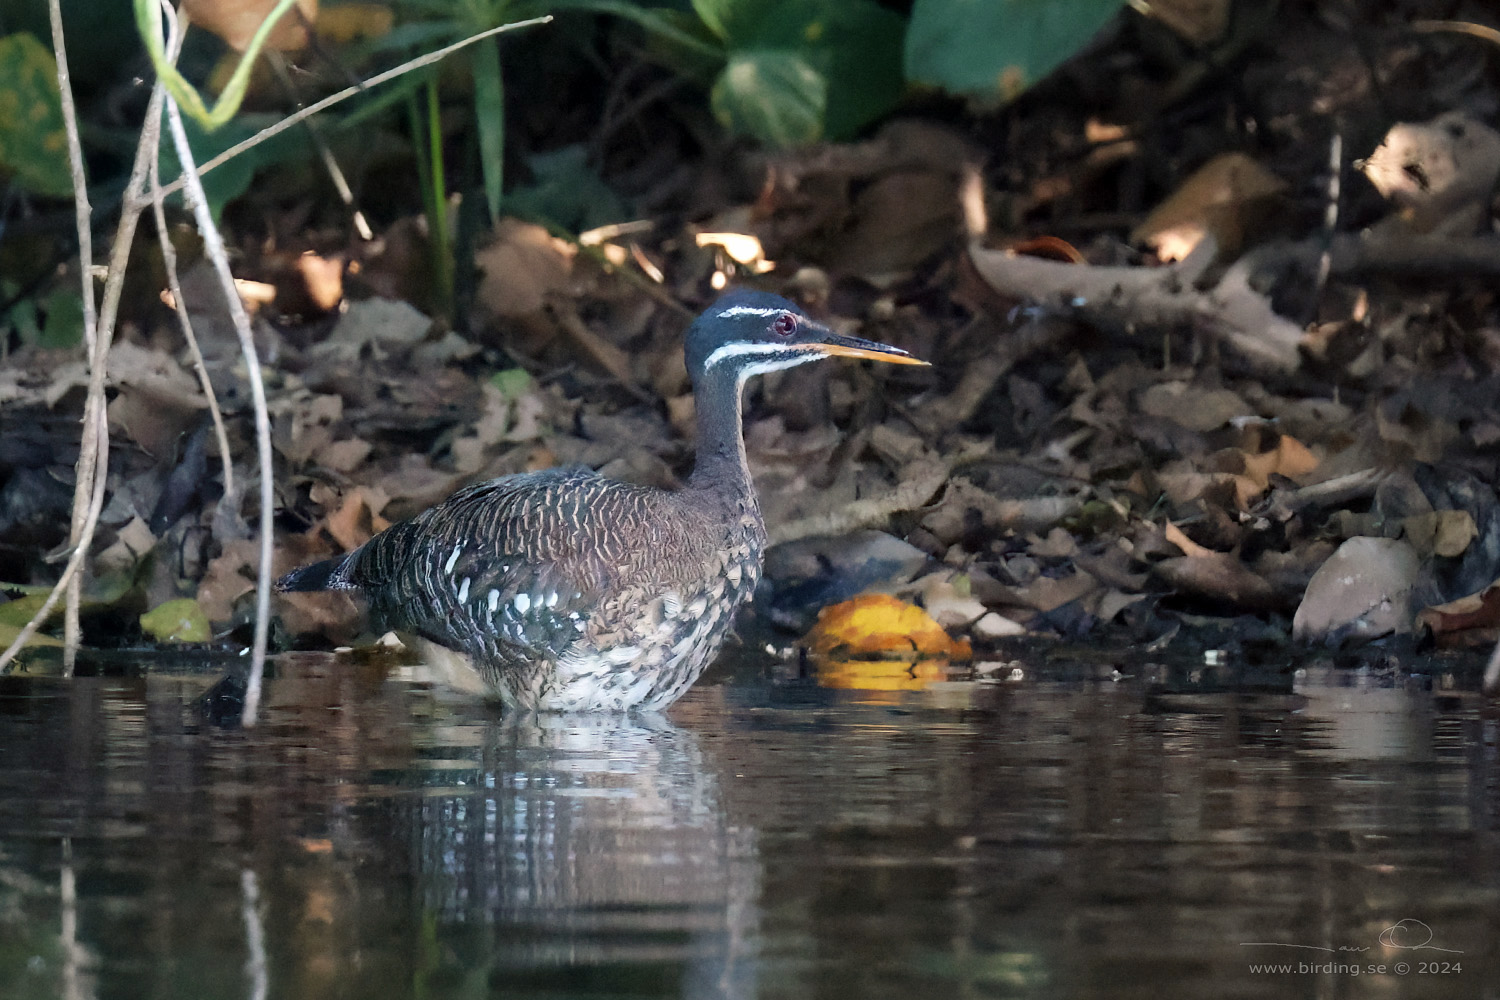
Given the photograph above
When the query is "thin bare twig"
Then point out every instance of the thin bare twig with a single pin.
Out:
(348, 92)
(174, 285)
(93, 452)
(330, 162)
(83, 212)
(83, 215)
(213, 249)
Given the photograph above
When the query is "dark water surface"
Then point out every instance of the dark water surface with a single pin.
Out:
(1032, 839)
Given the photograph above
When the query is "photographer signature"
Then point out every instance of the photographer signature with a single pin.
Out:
(1407, 934)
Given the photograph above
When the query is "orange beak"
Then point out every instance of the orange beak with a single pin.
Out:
(853, 347)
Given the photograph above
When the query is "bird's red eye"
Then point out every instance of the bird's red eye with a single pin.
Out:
(785, 325)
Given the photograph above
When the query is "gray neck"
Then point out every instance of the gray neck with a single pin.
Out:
(721, 466)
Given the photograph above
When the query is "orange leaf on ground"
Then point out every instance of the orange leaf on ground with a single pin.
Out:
(881, 624)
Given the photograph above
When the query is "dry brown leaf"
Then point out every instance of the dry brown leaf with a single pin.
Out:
(350, 22)
(343, 456)
(413, 484)
(1183, 487)
(237, 21)
(358, 518)
(380, 324)
(230, 577)
(1194, 407)
(1226, 197)
(1481, 610)
(1059, 544)
(1047, 593)
(1187, 545)
(1201, 22)
(1440, 174)
(133, 542)
(521, 267)
(1111, 602)
(323, 279)
(1219, 577)
(899, 220)
(949, 605)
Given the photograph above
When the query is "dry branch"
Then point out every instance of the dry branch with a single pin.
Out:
(1137, 298)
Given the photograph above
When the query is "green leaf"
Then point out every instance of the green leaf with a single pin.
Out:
(64, 326)
(713, 14)
(992, 50)
(17, 612)
(854, 44)
(148, 23)
(22, 316)
(566, 192)
(489, 112)
(774, 95)
(181, 620)
(8, 635)
(33, 145)
(513, 383)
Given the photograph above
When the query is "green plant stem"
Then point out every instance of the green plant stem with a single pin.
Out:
(437, 220)
(148, 16)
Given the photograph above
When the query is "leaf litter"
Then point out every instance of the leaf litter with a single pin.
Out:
(1176, 422)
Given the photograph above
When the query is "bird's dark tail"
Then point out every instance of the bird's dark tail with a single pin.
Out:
(330, 574)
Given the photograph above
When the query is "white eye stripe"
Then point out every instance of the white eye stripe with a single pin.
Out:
(748, 311)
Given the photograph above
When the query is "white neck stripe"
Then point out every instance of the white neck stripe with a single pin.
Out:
(728, 351)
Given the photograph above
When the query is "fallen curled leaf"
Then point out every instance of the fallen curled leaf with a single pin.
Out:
(1290, 458)
(1189, 547)
(521, 267)
(358, 518)
(1224, 198)
(230, 576)
(1481, 610)
(1218, 577)
(1192, 406)
(237, 21)
(881, 624)
(1438, 173)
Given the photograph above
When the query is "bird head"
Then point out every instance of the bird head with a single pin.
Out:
(747, 333)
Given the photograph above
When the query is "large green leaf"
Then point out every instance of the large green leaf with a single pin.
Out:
(774, 95)
(33, 146)
(855, 45)
(715, 14)
(994, 49)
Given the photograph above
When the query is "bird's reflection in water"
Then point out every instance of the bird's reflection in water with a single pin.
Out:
(596, 844)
